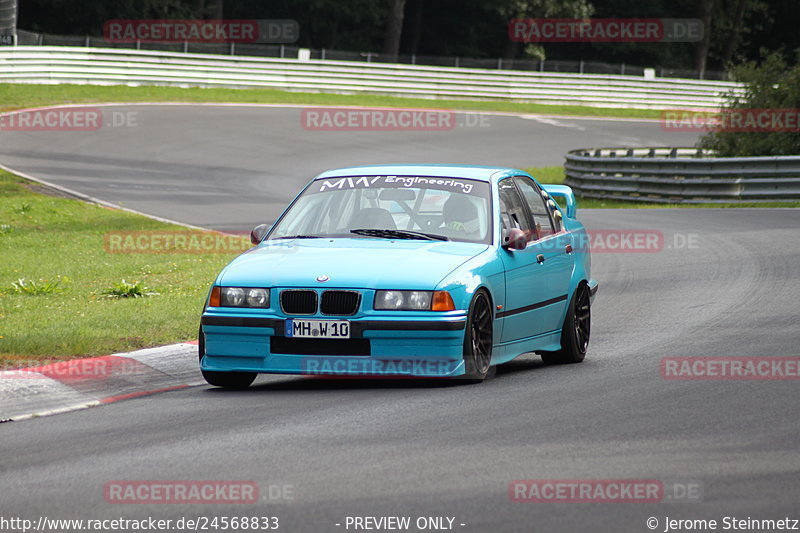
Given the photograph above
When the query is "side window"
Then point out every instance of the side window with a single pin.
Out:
(512, 209)
(538, 205)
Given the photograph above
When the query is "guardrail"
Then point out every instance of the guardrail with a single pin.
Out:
(681, 175)
(28, 38)
(108, 66)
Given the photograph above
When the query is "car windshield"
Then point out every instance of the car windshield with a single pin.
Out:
(390, 207)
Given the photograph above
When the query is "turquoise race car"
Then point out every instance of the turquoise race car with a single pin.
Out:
(413, 270)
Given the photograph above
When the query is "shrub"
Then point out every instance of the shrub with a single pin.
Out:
(29, 286)
(772, 85)
(123, 289)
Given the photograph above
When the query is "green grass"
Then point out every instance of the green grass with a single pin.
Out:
(18, 96)
(556, 175)
(60, 244)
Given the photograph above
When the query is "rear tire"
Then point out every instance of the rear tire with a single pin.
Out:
(575, 331)
(226, 380)
(478, 339)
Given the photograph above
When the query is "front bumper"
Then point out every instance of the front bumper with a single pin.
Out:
(422, 346)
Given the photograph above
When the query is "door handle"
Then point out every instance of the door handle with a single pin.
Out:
(569, 249)
(540, 258)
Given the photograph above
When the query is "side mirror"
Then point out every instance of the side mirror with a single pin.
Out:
(514, 239)
(259, 232)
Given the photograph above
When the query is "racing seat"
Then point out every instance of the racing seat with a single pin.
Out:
(458, 210)
(372, 218)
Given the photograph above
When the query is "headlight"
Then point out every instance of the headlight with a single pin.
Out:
(389, 300)
(412, 301)
(419, 300)
(239, 297)
(257, 298)
(232, 297)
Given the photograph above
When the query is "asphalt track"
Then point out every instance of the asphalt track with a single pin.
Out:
(232, 167)
(724, 284)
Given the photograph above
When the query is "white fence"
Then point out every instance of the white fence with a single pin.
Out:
(108, 66)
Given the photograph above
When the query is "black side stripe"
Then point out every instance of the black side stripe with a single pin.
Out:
(357, 327)
(531, 307)
(239, 321)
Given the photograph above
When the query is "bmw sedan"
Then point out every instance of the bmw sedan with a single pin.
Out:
(413, 270)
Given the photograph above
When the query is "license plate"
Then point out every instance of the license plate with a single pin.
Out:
(318, 329)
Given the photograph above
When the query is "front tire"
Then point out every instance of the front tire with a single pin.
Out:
(226, 380)
(575, 331)
(478, 339)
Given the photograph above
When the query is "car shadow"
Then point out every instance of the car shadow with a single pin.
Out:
(292, 383)
(525, 363)
(322, 383)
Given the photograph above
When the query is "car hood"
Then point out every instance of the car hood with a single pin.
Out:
(354, 263)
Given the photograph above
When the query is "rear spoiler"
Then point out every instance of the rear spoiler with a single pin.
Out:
(562, 191)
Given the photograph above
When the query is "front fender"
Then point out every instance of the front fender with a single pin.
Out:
(485, 271)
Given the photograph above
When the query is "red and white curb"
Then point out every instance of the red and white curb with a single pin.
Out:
(82, 383)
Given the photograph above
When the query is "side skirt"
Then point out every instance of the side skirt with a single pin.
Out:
(507, 351)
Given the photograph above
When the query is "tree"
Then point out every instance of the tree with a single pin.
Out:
(394, 28)
(772, 87)
(736, 30)
(705, 9)
(8, 18)
(734, 23)
(211, 9)
(520, 9)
